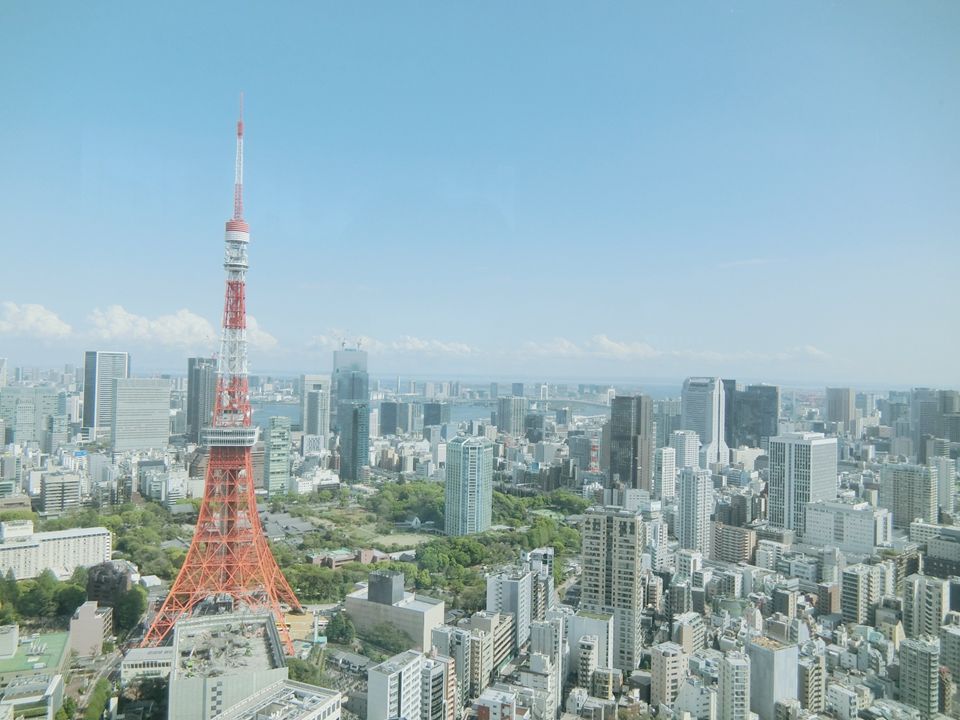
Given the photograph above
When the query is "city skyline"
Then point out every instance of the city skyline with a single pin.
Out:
(737, 195)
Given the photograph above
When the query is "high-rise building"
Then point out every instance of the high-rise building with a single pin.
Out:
(511, 591)
(773, 675)
(665, 474)
(389, 418)
(438, 689)
(436, 413)
(59, 492)
(201, 392)
(100, 369)
(350, 381)
(752, 414)
(278, 459)
(694, 507)
(803, 469)
(919, 675)
(315, 405)
(841, 406)
(468, 495)
(861, 587)
(926, 602)
(703, 412)
(517, 389)
(354, 420)
(454, 642)
(946, 481)
(510, 414)
(667, 414)
(633, 439)
(3, 372)
(734, 686)
(686, 446)
(812, 682)
(613, 543)
(394, 687)
(140, 417)
(668, 670)
(909, 492)
(25, 411)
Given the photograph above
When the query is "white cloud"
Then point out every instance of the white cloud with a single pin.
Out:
(406, 344)
(258, 337)
(604, 347)
(31, 320)
(183, 329)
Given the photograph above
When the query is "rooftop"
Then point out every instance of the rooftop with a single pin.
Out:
(286, 700)
(226, 644)
(37, 652)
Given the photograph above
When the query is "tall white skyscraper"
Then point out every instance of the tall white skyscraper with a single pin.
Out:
(140, 414)
(686, 446)
(702, 410)
(946, 481)
(803, 469)
(468, 496)
(277, 460)
(3, 372)
(694, 507)
(734, 685)
(100, 369)
(665, 473)
(315, 405)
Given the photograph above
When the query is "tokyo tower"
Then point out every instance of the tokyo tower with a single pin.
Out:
(229, 562)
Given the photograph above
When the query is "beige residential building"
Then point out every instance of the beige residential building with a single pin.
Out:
(613, 542)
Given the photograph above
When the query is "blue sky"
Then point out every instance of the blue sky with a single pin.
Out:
(539, 189)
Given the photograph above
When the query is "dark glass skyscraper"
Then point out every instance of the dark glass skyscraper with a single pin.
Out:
(752, 414)
(354, 418)
(633, 440)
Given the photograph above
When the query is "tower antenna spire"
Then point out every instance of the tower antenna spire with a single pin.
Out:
(238, 174)
(229, 556)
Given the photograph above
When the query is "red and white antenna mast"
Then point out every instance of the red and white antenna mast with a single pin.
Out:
(229, 555)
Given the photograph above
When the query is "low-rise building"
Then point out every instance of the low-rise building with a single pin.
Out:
(146, 664)
(383, 601)
(90, 627)
(34, 696)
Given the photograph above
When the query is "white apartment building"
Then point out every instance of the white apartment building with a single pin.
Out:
(28, 554)
(851, 527)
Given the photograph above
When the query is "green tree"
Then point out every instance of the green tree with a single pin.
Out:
(389, 637)
(130, 608)
(340, 629)
(40, 598)
(98, 700)
(69, 598)
(304, 671)
(9, 589)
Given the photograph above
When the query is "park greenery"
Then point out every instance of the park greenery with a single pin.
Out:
(450, 568)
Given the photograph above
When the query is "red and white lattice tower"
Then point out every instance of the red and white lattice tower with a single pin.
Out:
(229, 560)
